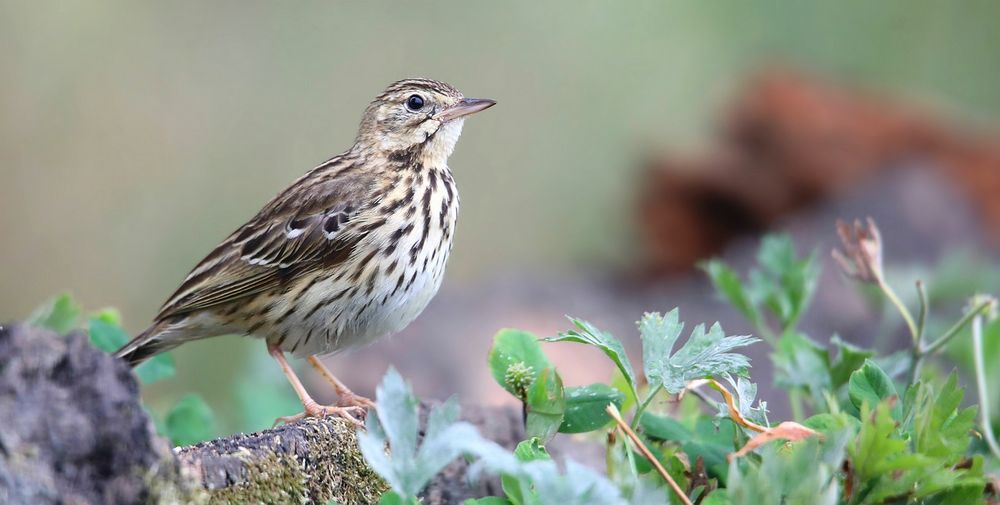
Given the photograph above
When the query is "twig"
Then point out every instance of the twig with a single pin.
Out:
(613, 411)
(984, 396)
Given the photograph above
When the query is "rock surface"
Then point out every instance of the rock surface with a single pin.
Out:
(73, 430)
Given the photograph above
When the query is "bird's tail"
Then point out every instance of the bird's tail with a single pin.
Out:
(147, 344)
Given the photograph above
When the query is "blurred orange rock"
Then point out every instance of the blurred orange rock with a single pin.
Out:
(789, 141)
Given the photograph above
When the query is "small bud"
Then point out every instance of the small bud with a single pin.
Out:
(861, 258)
(991, 309)
(519, 377)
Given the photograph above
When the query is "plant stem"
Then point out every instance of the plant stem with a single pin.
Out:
(957, 327)
(795, 400)
(613, 411)
(903, 311)
(645, 403)
(920, 353)
(922, 314)
(984, 396)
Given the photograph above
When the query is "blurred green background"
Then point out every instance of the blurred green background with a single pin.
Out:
(135, 135)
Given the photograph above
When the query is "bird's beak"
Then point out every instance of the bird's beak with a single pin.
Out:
(464, 108)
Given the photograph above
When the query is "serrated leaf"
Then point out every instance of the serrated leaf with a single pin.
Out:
(516, 348)
(785, 283)
(59, 314)
(875, 446)
(871, 385)
(190, 421)
(941, 428)
(586, 407)
(546, 406)
(587, 333)
(705, 354)
(407, 468)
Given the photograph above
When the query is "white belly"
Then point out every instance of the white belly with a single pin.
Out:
(392, 291)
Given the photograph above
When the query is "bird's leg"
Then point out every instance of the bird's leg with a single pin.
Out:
(347, 397)
(312, 409)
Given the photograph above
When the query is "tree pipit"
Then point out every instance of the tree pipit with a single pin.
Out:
(352, 251)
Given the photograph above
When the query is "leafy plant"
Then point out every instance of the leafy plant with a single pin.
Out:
(862, 433)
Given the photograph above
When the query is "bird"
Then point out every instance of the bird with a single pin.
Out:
(350, 252)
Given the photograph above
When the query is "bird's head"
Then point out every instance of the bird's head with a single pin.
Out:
(417, 115)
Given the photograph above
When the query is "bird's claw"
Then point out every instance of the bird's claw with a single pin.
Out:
(321, 411)
(352, 400)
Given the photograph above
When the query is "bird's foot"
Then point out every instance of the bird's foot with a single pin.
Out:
(314, 409)
(350, 399)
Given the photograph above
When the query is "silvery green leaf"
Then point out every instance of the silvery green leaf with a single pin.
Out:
(705, 354)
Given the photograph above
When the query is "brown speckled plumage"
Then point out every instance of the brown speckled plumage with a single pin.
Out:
(352, 250)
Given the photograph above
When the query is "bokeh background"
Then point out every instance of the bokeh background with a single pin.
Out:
(134, 136)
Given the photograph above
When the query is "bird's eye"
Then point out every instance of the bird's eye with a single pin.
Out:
(415, 102)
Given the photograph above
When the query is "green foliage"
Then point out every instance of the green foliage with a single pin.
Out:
(546, 405)
(585, 407)
(869, 384)
(703, 355)
(190, 421)
(782, 285)
(59, 314)
(516, 360)
(586, 333)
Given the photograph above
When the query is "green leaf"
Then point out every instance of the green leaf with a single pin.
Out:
(585, 407)
(526, 451)
(59, 314)
(718, 497)
(531, 450)
(784, 283)
(703, 355)
(392, 498)
(875, 447)
(157, 368)
(489, 500)
(801, 363)
(106, 336)
(190, 421)
(664, 428)
(871, 385)
(941, 429)
(587, 333)
(849, 358)
(727, 282)
(516, 350)
(546, 406)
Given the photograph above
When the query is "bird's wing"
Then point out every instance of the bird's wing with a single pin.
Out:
(312, 224)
